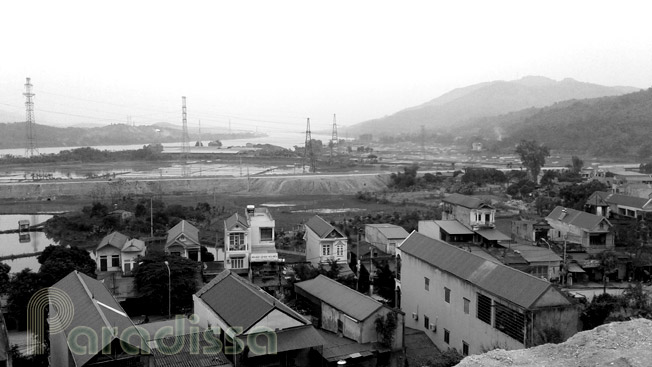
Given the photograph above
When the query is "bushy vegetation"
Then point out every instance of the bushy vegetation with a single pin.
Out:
(483, 176)
(575, 196)
(90, 155)
(606, 308)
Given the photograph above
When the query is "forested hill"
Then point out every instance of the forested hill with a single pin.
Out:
(14, 135)
(604, 127)
(485, 99)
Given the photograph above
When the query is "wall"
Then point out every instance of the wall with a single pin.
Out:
(463, 327)
(108, 251)
(350, 328)
(313, 247)
(564, 320)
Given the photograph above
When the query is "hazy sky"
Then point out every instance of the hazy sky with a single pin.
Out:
(271, 64)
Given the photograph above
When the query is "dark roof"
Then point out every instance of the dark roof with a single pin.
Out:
(249, 306)
(597, 198)
(337, 348)
(187, 229)
(453, 227)
(390, 230)
(167, 353)
(321, 227)
(115, 239)
(577, 218)
(631, 201)
(92, 306)
(493, 234)
(236, 218)
(341, 297)
(498, 279)
(466, 201)
(299, 337)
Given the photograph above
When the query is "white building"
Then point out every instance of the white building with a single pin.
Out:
(324, 242)
(249, 239)
(183, 240)
(385, 237)
(116, 252)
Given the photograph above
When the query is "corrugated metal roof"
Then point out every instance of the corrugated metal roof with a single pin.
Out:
(231, 221)
(535, 253)
(92, 307)
(239, 302)
(577, 218)
(337, 348)
(168, 353)
(493, 235)
(465, 201)
(500, 280)
(341, 297)
(390, 231)
(631, 201)
(453, 227)
(134, 245)
(186, 228)
(321, 227)
(300, 337)
(115, 239)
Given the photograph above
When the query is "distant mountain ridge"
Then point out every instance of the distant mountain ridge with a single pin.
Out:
(484, 100)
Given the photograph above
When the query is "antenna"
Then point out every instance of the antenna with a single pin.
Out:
(334, 139)
(185, 148)
(308, 152)
(29, 114)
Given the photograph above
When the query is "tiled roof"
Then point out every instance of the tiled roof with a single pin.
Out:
(577, 218)
(321, 227)
(236, 218)
(631, 201)
(465, 201)
(453, 227)
(188, 350)
(300, 337)
(134, 245)
(341, 297)
(115, 239)
(93, 307)
(187, 229)
(390, 231)
(535, 253)
(249, 306)
(500, 280)
(493, 234)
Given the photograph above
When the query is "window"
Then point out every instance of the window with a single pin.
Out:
(267, 234)
(484, 308)
(115, 261)
(103, 263)
(340, 326)
(237, 262)
(447, 336)
(447, 295)
(237, 242)
(326, 249)
(510, 322)
(427, 283)
(426, 322)
(465, 348)
(467, 304)
(339, 250)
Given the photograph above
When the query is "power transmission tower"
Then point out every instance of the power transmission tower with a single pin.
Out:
(29, 111)
(308, 153)
(185, 148)
(334, 139)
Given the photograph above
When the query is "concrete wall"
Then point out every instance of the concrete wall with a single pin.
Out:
(108, 251)
(463, 327)
(350, 328)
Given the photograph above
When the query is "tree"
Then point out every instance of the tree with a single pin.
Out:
(58, 261)
(576, 164)
(384, 283)
(206, 256)
(151, 280)
(4, 277)
(533, 156)
(21, 288)
(386, 328)
(608, 264)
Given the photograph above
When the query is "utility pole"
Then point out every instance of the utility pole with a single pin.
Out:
(31, 149)
(334, 139)
(308, 152)
(185, 148)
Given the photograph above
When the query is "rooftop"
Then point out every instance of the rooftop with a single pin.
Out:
(390, 231)
(321, 227)
(583, 220)
(115, 239)
(470, 202)
(187, 229)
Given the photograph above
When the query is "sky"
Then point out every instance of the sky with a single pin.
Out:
(269, 65)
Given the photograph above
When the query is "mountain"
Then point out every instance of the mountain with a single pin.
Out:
(617, 126)
(485, 99)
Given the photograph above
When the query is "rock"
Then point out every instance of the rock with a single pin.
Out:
(617, 344)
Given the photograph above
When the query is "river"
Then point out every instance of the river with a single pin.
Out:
(13, 244)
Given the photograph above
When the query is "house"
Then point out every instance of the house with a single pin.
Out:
(88, 327)
(611, 205)
(245, 312)
(532, 231)
(475, 215)
(5, 356)
(446, 230)
(592, 233)
(183, 240)
(117, 253)
(324, 242)
(249, 239)
(464, 301)
(346, 312)
(385, 237)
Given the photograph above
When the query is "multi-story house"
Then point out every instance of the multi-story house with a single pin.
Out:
(464, 301)
(249, 239)
(183, 240)
(117, 253)
(324, 242)
(386, 237)
(592, 233)
(475, 215)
